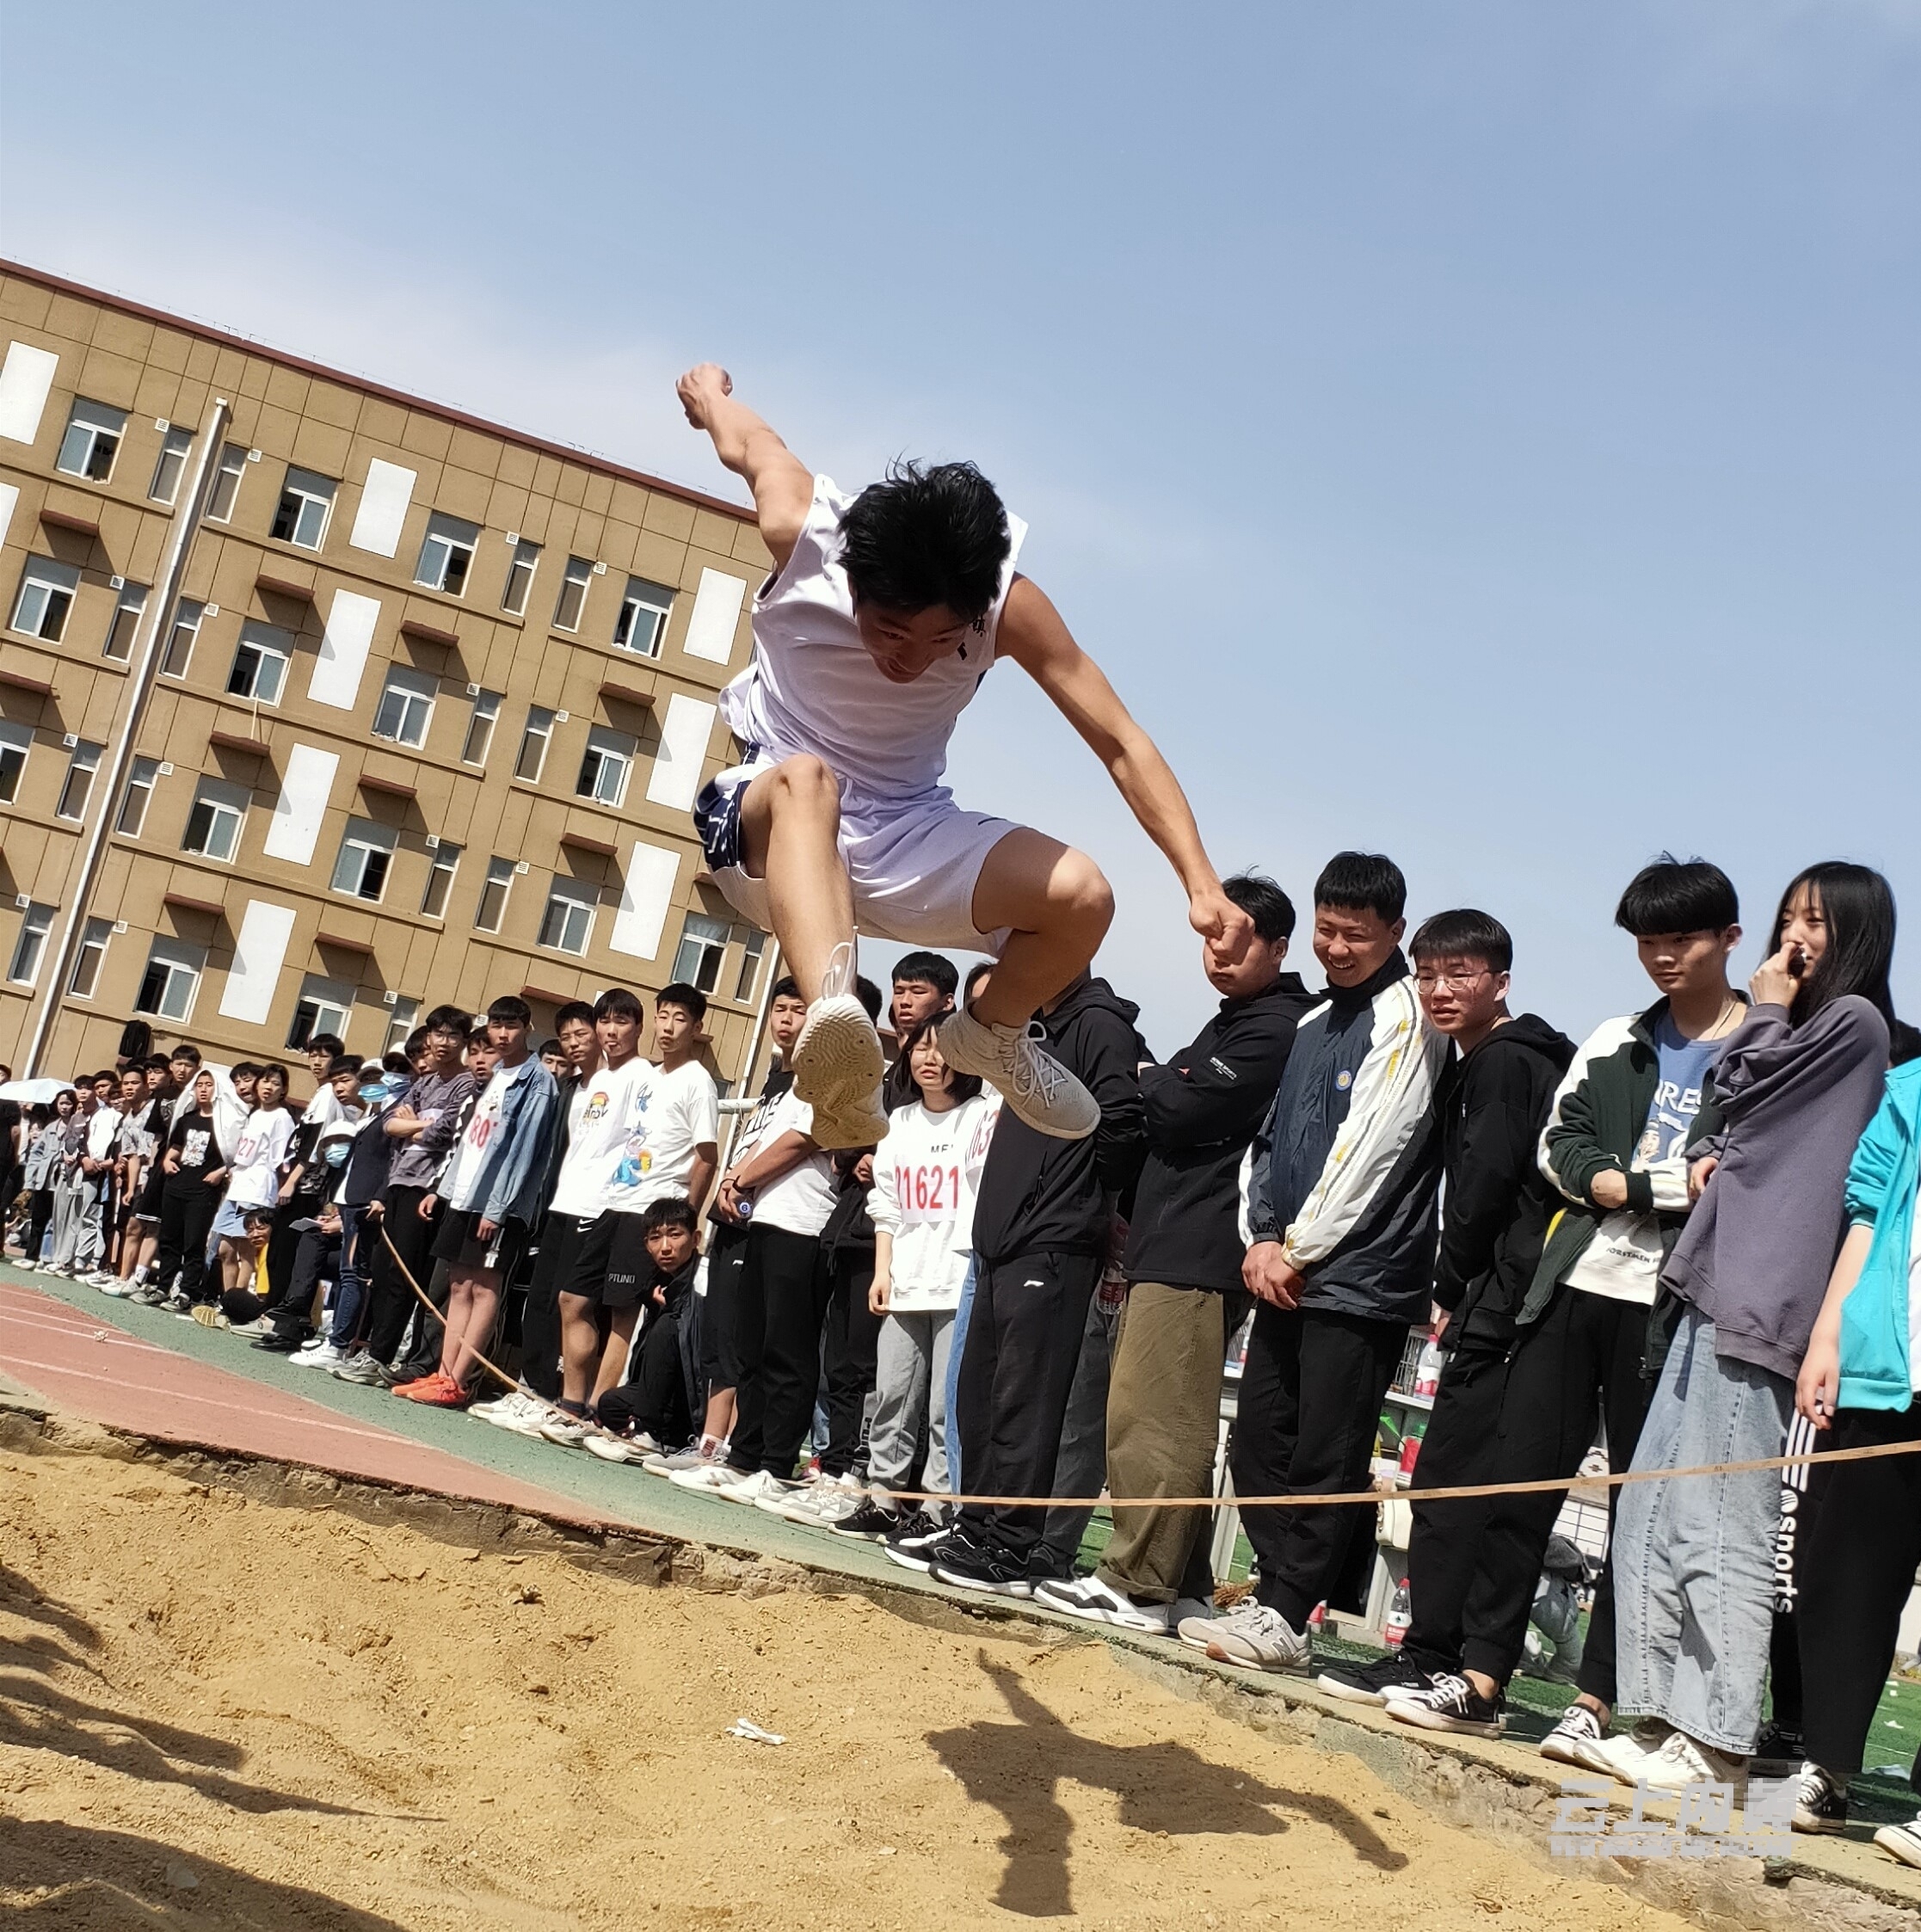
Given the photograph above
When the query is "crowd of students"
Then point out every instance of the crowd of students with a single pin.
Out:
(1689, 1237)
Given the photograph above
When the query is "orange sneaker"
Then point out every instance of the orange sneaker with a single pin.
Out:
(445, 1392)
(419, 1389)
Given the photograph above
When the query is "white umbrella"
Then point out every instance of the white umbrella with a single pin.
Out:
(33, 1093)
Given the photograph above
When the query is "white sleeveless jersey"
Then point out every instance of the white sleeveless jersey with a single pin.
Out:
(812, 687)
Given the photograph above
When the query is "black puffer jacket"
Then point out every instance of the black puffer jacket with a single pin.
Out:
(1040, 1196)
(1202, 1109)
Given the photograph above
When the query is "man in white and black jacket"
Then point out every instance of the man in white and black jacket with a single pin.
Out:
(1339, 1206)
(1184, 1298)
(1041, 1233)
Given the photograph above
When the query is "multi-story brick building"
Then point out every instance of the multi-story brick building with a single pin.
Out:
(320, 703)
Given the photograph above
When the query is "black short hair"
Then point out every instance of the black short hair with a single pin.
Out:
(417, 1042)
(1264, 903)
(448, 1019)
(869, 995)
(249, 1216)
(273, 1066)
(935, 968)
(786, 987)
(1673, 894)
(1464, 933)
(672, 1210)
(1363, 882)
(477, 1036)
(158, 1063)
(576, 1011)
(619, 1002)
(509, 1010)
(344, 1063)
(975, 973)
(680, 994)
(328, 1044)
(547, 1046)
(926, 536)
(246, 1070)
(184, 1051)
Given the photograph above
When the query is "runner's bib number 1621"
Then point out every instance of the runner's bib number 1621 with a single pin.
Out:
(927, 1193)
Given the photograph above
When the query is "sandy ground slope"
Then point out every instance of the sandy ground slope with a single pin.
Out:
(216, 1712)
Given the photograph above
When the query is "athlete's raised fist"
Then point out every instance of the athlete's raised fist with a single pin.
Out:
(700, 389)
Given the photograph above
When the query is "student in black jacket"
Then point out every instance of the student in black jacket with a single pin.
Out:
(1041, 1234)
(1491, 1104)
(1185, 1296)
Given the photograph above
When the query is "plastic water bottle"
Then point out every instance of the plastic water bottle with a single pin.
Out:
(1401, 1613)
(1427, 1368)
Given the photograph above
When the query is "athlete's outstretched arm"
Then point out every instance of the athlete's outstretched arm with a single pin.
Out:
(783, 485)
(1033, 634)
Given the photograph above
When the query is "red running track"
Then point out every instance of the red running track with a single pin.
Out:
(82, 1365)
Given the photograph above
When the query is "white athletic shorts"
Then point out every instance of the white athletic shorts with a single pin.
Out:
(914, 862)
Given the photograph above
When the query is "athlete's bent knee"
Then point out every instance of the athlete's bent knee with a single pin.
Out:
(1080, 889)
(807, 781)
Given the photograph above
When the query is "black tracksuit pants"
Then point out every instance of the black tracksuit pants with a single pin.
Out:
(1581, 1363)
(782, 1296)
(1460, 1447)
(1309, 1408)
(654, 1397)
(719, 1337)
(392, 1301)
(1016, 1375)
(850, 1338)
(1854, 1572)
(187, 1207)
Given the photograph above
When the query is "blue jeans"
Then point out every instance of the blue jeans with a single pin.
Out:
(357, 1244)
(1694, 1560)
(957, 1347)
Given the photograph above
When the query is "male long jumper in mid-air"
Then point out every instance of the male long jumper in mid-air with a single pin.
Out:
(882, 614)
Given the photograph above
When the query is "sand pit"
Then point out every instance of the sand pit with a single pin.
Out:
(221, 1713)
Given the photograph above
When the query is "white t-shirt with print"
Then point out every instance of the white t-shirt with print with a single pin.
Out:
(600, 1114)
(252, 1181)
(462, 1187)
(679, 1112)
(801, 1200)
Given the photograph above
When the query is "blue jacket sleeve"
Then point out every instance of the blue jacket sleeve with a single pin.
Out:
(1876, 1158)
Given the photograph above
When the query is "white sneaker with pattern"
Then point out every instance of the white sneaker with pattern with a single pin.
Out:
(1028, 1078)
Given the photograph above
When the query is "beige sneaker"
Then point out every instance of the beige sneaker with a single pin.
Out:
(1030, 1079)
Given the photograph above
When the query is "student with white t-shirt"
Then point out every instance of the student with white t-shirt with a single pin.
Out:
(606, 1119)
(925, 1175)
(253, 1174)
(784, 1190)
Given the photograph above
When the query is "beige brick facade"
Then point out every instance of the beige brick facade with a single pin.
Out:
(374, 765)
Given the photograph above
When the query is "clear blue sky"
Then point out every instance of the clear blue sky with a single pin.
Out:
(1489, 433)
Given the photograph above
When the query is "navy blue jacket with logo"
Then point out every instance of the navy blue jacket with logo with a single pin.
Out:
(1345, 1172)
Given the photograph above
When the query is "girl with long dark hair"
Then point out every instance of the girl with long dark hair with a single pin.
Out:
(1797, 1081)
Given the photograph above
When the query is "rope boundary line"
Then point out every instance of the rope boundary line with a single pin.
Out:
(1459, 1492)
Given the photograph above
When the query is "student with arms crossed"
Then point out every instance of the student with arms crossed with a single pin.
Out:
(884, 613)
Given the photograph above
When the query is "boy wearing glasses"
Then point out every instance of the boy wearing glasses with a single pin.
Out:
(1491, 1103)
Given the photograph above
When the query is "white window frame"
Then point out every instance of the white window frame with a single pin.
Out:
(83, 984)
(177, 445)
(447, 555)
(402, 1017)
(482, 721)
(361, 842)
(271, 652)
(330, 1005)
(16, 746)
(83, 762)
(180, 966)
(404, 714)
(92, 427)
(228, 475)
(220, 810)
(640, 627)
(500, 878)
(606, 766)
(702, 939)
(189, 613)
(316, 495)
(520, 568)
(532, 733)
(573, 593)
(57, 584)
(753, 953)
(29, 953)
(575, 904)
(443, 864)
(125, 624)
(137, 798)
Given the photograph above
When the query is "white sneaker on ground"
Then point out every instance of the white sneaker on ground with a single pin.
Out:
(1031, 1081)
(318, 1354)
(617, 1448)
(1251, 1635)
(521, 1413)
(1683, 1761)
(565, 1429)
(110, 1285)
(1901, 1841)
(1628, 1758)
(1095, 1602)
(695, 1455)
(751, 1488)
(259, 1325)
(360, 1370)
(817, 1505)
(712, 1474)
(1577, 1739)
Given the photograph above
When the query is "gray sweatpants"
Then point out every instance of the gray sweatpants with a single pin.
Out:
(910, 1386)
(1694, 1559)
